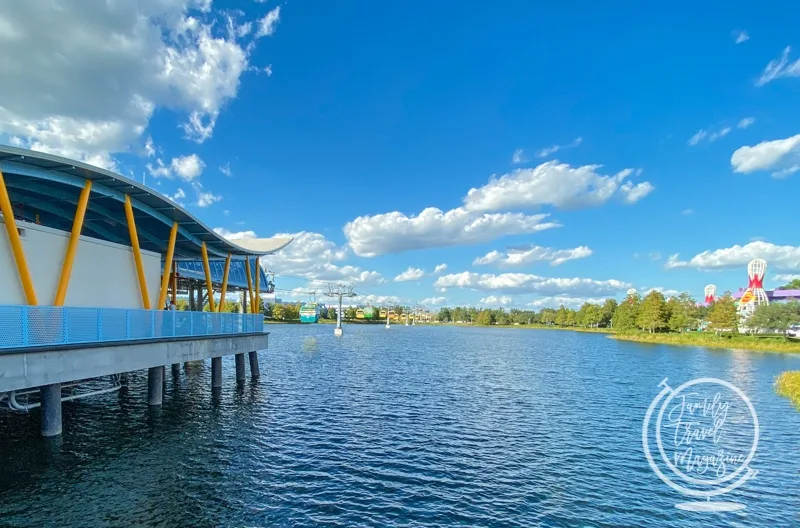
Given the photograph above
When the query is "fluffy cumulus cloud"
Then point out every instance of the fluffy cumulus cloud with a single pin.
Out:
(433, 301)
(666, 292)
(84, 82)
(493, 300)
(514, 283)
(785, 278)
(395, 232)
(411, 274)
(311, 256)
(556, 184)
(566, 301)
(441, 268)
(525, 255)
(785, 258)
(780, 68)
(186, 168)
(780, 155)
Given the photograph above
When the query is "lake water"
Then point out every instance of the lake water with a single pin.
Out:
(434, 426)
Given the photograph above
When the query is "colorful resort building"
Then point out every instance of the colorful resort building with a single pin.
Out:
(91, 263)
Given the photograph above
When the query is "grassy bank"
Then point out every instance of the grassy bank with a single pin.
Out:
(762, 344)
(787, 384)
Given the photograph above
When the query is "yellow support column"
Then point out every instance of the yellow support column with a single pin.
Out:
(249, 282)
(16, 244)
(137, 254)
(221, 306)
(72, 246)
(162, 296)
(209, 286)
(256, 301)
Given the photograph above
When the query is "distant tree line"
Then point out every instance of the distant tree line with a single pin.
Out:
(651, 313)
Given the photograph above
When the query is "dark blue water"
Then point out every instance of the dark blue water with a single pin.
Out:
(406, 427)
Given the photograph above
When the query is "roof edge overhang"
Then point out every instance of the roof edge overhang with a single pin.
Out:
(52, 168)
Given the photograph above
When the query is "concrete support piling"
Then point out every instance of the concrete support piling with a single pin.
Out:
(51, 409)
(254, 371)
(240, 374)
(216, 373)
(176, 369)
(155, 385)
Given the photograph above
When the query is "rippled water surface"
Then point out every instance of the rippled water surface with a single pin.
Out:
(405, 427)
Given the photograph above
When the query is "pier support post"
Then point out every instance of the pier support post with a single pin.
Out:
(155, 385)
(216, 373)
(240, 375)
(254, 370)
(176, 369)
(51, 409)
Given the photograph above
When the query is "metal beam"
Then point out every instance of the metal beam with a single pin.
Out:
(16, 244)
(137, 254)
(162, 297)
(72, 245)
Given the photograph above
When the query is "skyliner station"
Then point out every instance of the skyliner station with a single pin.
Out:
(90, 263)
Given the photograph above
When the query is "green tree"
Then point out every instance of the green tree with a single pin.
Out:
(278, 312)
(723, 313)
(445, 315)
(607, 312)
(547, 316)
(652, 312)
(775, 316)
(182, 304)
(793, 285)
(350, 312)
(561, 316)
(682, 313)
(624, 319)
(485, 317)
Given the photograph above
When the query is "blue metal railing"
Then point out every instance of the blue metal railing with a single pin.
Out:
(29, 326)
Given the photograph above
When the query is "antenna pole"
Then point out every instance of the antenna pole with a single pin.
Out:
(340, 291)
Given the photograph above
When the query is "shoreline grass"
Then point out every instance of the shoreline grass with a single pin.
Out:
(787, 384)
(706, 339)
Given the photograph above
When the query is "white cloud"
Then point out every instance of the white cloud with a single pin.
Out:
(311, 257)
(411, 274)
(188, 168)
(234, 236)
(178, 196)
(779, 68)
(520, 256)
(433, 301)
(149, 148)
(503, 300)
(518, 156)
(556, 184)
(84, 82)
(567, 302)
(268, 24)
(513, 283)
(767, 155)
(204, 199)
(712, 136)
(381, 300)
(395, 232)
(741, 36)
(777, 257)
(785, 278)
(543, 153)
(441, 268)
(746, 122)
(226, 170)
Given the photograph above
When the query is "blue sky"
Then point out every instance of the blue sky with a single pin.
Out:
(343, 123)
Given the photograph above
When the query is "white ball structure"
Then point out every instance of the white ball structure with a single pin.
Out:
(754, 296)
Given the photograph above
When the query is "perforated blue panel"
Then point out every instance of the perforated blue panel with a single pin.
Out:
(25, 326)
